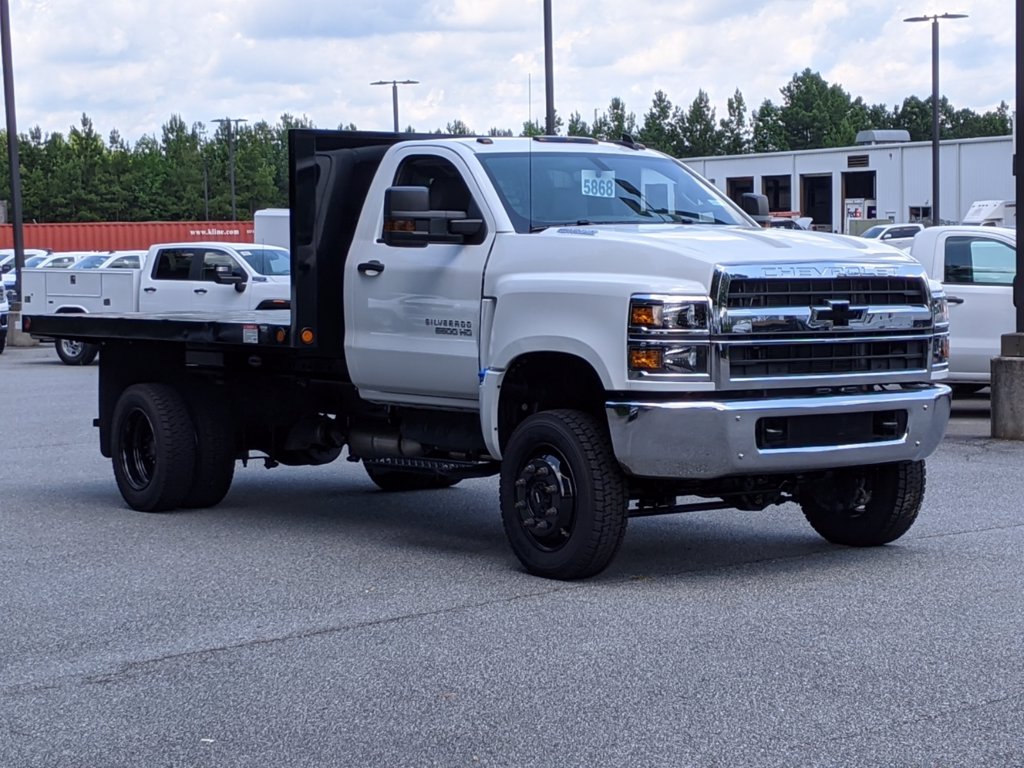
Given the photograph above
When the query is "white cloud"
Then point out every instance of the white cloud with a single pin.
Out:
(130, 65)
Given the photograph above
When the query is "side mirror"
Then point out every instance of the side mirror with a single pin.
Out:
(756, 206)
(224, 275)
(410, 222)
(5, 269)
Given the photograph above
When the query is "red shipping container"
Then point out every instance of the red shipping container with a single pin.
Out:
(125, 235)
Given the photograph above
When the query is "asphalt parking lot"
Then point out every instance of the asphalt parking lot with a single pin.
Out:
(311, 620)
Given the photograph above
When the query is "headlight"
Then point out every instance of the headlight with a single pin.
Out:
(682, 314)
(940, 327)
(940, 310)
(669, 336)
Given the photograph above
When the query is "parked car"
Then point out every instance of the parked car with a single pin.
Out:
(7, 257)
(977, 266)
(111, 260)
(58, 259)
(887, 232)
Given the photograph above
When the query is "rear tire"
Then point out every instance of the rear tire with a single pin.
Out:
(73, 352)
(215, 450)
(865, 506)
(153, 447)
(394, 480)
(3, 341)
(563, 495)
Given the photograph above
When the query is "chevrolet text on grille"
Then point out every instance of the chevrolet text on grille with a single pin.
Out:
(811, 270)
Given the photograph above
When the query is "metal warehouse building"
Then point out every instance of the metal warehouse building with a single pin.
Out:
(877, 179)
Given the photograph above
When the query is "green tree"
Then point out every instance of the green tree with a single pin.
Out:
(183, 174)
(84, 171)
(816, 114)
(458, 128)
(577, 126)
(734, 132)
(768, 134)
(659, 130)
(699, 133)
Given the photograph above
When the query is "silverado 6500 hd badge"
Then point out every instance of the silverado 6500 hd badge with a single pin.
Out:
(445, 327)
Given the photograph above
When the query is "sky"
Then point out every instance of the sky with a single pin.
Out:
(132, 64)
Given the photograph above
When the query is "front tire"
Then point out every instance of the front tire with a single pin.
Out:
(153, 447)
(866, 506)
(73, 352)
(563, 495)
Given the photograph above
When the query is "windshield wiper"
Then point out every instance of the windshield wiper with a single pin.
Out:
(578, 223)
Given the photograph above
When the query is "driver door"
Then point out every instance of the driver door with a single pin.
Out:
(412, 314)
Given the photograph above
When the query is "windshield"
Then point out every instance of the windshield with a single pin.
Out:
(275, 262)
(34, 261)
(91, 262)
(575, 188)
(873, 231)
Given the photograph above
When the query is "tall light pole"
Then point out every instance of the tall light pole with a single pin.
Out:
(394, 93)
(934, 19)
(229, 123)
(549, 74)
(12, 144)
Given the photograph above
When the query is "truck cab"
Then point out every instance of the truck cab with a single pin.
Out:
(214, 277)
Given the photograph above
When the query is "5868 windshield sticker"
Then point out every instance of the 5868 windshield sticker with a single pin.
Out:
(598, 183)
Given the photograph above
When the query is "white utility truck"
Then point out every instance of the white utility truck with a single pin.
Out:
(174, 277)
(589, 320)
(977, 268)
(992, 213)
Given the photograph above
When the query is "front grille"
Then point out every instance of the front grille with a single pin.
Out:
(765, 293)
(827, 357)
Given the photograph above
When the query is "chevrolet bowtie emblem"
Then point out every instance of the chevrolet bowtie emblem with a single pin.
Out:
(839, 312)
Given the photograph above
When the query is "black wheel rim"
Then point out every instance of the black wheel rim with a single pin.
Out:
(545, 499)
(138, 450)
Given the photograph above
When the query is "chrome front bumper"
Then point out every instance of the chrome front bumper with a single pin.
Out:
(704, 439)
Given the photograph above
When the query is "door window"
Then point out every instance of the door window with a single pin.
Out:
(173, 264)
(979, 261)
(212, 260)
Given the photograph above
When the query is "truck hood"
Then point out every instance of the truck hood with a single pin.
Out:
(710, 245)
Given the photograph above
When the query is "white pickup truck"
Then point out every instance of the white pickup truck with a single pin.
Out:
(977, 266)
(174, 277)
(589, 320)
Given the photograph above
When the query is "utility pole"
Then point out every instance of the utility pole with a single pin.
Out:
(231, 123)
(12, 145)
(934, 19)
(549, 76)
(394, 94)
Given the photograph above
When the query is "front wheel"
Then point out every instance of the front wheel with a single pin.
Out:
(153, 447)
(563, 495)
(73, 352)
(865, 506)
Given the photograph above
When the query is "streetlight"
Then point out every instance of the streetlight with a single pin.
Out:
(228, 122)
(394, 93)
(934, 19)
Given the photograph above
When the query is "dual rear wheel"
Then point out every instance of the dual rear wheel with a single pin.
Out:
(169, 454)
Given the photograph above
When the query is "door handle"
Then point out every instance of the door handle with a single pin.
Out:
(149, 290)
(198, 290)
(954, 300)
(370, 268)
